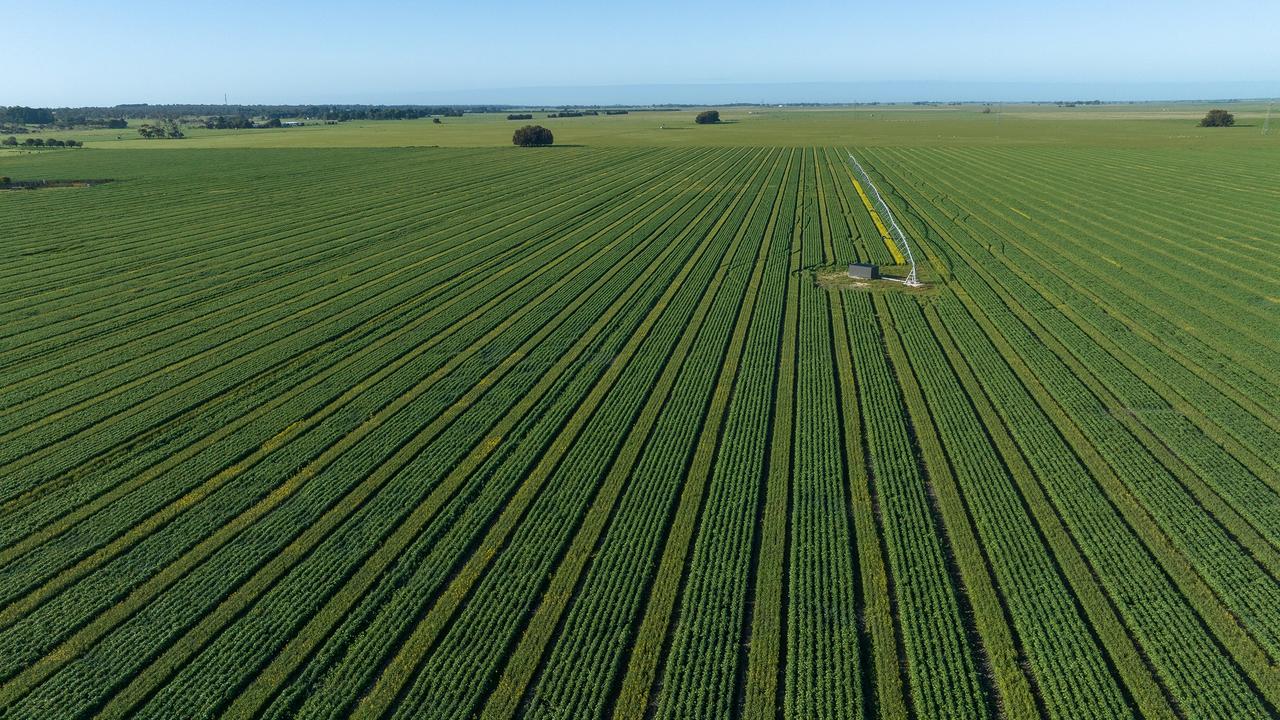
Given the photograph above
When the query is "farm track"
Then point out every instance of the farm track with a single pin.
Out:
(575, 433)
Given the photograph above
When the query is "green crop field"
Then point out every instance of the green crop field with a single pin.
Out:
(327, 422)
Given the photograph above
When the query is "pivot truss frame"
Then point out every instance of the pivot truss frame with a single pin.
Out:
(882, 208)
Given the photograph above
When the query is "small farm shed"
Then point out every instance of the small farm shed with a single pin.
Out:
(863, 272)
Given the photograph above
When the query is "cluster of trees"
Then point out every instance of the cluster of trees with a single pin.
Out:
(165, 129)
(707, 117)
(26, 115)
(1218, 118)
(222, 122)
(12, 141)
(21, 115)
(239, 122)
(532, 136)
(615, 112)
(520, 116)
(64, 120)
(573, 113)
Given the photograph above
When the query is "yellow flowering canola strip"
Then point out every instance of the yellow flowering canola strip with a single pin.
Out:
(884, 232)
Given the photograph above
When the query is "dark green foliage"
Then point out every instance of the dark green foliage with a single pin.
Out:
(26, 115)
(707, 117)
(520, 116)
(532, 136)
(145, 111)
(1218, 118)
(235, 122)
(41, 142)
(165, 129)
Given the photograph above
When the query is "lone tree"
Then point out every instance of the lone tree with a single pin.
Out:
(707, 117)
(1218, 118)
(532, 136)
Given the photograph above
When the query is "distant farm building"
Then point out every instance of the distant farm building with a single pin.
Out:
(863, 272)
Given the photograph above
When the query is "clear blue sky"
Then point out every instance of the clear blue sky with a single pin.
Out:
(91, 53)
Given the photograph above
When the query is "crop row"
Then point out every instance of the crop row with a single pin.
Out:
(462, 628)
(414, 349)
(941, 671)
(586, 660)
(1241, 584)
(691, 658)
(396, 391)
(448, 448)
(1002, 312)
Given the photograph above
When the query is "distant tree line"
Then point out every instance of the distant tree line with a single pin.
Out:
(143, 111)
(222, 122)
(118, 116)
(27, 115)
(12, 141)
(239, 122)
(69, 121)
(520, 116)
(8, 183)
(20, 115)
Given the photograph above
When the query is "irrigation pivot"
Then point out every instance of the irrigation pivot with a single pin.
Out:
(899, 237)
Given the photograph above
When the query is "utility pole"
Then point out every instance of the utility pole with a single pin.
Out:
(1266, 124)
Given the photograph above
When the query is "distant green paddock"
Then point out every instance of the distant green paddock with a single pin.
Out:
(1142, 125)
